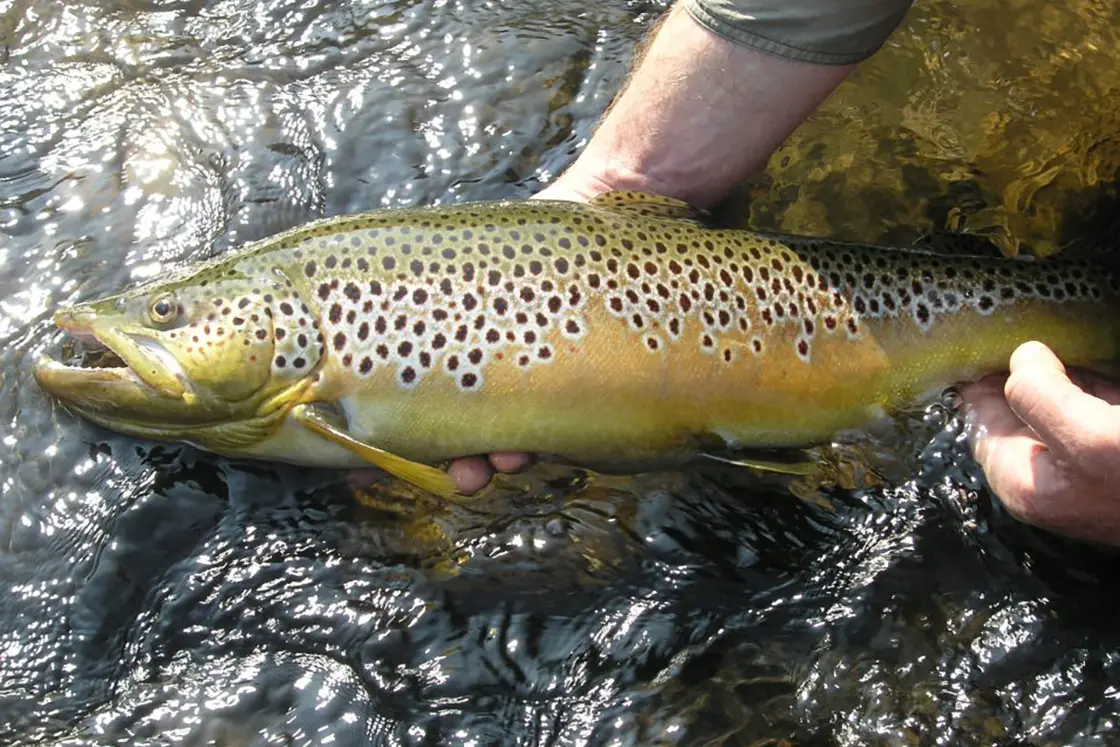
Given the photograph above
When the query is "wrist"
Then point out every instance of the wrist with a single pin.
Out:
(592, 175)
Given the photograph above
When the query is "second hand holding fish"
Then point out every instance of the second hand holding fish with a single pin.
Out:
(1049, 447)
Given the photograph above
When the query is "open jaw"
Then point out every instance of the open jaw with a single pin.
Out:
(84, 351)
(107, 374)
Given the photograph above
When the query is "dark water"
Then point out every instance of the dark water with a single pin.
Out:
(155, 595)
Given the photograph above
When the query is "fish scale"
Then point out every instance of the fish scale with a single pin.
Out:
(621, 333)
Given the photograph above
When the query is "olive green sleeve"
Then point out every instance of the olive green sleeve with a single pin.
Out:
(831, 32)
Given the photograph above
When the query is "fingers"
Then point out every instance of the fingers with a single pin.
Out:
(988, 414)
(509, 461)
(1041, 394)
(1002, 444)
(1097, 385)
(363, 478)
(1018, 467)
(471, 474)
(1049, 450)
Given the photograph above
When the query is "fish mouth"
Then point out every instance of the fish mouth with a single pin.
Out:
(109, 373)
(116, 375)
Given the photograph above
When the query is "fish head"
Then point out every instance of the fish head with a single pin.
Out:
(206, 359)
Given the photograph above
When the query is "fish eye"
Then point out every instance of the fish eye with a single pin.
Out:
(163, 309)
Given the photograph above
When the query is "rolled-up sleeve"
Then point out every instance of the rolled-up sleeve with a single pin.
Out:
(831, 32)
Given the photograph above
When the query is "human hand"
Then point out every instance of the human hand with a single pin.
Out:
(1050, 447)
(579, 184)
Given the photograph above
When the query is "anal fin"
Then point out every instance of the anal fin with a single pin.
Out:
(426, 478)
(801, 468)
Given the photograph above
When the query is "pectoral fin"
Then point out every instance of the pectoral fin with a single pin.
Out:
(427, 478)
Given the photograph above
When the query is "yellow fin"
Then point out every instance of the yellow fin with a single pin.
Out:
(427, 478)
(644, 203)
(800, 468)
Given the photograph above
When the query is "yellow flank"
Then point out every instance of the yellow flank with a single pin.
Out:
(622, 333)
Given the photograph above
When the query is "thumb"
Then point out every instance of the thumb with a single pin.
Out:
(1042, 395)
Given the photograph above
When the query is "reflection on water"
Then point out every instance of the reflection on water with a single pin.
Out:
(155, 595)
(996, 118)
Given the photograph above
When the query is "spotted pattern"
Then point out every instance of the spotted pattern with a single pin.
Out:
(450, 291)
(251, 304)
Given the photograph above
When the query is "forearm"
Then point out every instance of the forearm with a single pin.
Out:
(700, 114)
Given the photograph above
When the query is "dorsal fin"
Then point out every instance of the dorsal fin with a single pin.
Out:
(651, 205)
(1094, 249)
(952, 244)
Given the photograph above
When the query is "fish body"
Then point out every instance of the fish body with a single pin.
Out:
(621, 333)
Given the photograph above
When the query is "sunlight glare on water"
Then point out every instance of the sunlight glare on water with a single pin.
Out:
(152, 594)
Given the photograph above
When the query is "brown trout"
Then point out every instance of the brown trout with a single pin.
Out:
(620, 334)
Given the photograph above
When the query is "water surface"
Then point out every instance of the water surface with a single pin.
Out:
(152, 594)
